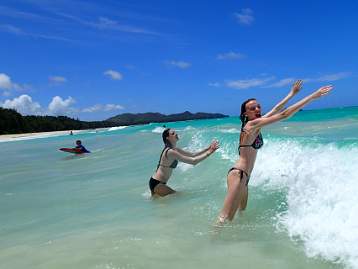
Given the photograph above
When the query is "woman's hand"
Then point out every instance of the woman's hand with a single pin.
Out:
(322, 91)
(214, 146)
(296, 87)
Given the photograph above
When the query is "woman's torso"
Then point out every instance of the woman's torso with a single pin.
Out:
(165, 167)
(247, 151)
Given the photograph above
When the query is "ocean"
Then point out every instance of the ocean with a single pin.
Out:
(59, 210)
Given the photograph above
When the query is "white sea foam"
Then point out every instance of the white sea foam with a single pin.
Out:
(228, 151)
(158, 130)
(195, 144)
(322, 187)
(230, 131)
(184, 166)
(189, 128)
(146, 194)
(117, 128)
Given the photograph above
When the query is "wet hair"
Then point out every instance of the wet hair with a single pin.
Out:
(243, 117)
(78, 142)
(165, 135)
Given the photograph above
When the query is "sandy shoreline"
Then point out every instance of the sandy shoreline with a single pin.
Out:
(25, 136)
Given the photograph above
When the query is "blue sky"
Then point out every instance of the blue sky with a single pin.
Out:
(96, 59)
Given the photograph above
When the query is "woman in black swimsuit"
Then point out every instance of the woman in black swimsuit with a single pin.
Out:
(169, 160)
(251, 140)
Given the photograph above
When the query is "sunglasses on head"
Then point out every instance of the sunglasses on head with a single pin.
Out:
(253, 107)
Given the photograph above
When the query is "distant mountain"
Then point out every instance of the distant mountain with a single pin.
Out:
(12, 122)
(143, 118)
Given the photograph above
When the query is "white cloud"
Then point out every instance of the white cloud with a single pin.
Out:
(329, 77)
(24, 105)
(214, 84)
(281, 83)
(179, 64)
(91, 109)
(110, 107)
(247, 83)
(115, 75)
(266, 82)
(108, 24)
(17, 31)
(334, 77)
(7, 84)
(99, 107)
(14, 13)
(57, 79)
(59, 106)
(11, 29)
(245, 16)
(104, 23)
(230, 56)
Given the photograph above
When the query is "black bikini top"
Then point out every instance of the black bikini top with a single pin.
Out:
(173, 164)
(257, 144)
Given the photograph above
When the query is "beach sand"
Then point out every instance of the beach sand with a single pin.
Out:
(25, 136)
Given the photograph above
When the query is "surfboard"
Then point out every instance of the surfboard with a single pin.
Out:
(72, 150)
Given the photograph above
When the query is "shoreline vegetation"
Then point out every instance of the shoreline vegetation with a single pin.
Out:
(13, 123)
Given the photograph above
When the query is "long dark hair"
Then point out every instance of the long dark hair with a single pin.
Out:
(243, 117)
(165, 135)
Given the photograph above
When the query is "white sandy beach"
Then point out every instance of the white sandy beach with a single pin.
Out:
(25, 136)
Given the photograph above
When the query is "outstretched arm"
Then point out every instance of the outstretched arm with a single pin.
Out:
(191, 154)
(177, 155)
(290, 111)
(194, 154)
(277, 108)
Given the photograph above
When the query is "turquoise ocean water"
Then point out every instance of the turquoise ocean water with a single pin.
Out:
(94, 211)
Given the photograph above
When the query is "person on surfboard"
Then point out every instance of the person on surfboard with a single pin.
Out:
(81, 147)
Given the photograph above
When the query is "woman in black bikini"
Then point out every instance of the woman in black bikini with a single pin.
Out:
(251, 140)
(169, 160)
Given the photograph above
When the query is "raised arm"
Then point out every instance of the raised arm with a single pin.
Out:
(277, 108)
(176, 154)
(290, 111)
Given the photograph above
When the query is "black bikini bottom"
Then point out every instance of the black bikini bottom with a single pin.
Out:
(242, 172)
(153, 182)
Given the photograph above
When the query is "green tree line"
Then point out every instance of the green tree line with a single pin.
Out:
(12, 122)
